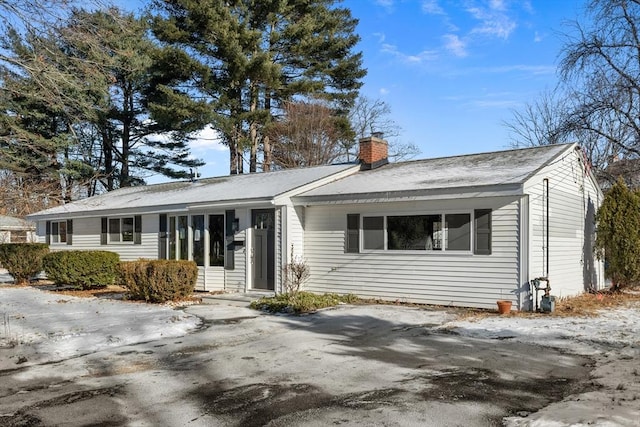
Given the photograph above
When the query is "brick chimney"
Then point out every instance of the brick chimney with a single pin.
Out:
(374, 151)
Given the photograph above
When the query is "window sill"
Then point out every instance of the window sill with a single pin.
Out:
(418, 252)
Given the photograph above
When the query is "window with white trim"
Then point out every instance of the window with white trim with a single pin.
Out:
(58, 232)
(122, 230)
(433, 232)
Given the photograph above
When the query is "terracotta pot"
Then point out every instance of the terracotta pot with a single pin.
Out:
(504, 307)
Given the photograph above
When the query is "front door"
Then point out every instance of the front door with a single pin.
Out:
(263, 226)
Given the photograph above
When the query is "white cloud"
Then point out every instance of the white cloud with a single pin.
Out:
(531, 69)
(431, 7)
(455, 45)
(520, 71)
(381, 37)
(421, 57)
(384, 91)
(493, 22)
(387, 4)
(207, 139)
(537, 37)
(497, 5)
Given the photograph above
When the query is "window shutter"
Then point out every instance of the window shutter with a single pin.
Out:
(69, 232)
(229, 253)
(162, 238)
(137, 230)
(482, 229)
(48, 232)
(352, 244)
(103, 232)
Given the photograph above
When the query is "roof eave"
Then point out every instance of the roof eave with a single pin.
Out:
(500, 190)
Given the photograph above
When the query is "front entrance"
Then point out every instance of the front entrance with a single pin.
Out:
(263, 252)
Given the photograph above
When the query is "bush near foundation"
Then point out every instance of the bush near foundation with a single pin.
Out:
(82, 269)
(22, 260)
(158, 280)
(301, 302)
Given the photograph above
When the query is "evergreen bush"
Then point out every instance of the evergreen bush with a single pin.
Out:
(82, 269)
(301, 302)
(158, 280)
(618, 236)
(22, 260)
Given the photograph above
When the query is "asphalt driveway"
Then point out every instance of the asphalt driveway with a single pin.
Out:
(363, 365)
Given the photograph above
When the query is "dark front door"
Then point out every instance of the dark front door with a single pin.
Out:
(263, 226)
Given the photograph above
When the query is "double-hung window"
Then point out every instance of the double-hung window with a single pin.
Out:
(59, 232)
(126, 229)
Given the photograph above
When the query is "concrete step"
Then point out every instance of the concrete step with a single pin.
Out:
(242, 299)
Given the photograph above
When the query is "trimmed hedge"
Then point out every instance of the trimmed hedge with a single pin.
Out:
(159, 280)
(82, 269)
(23, 260)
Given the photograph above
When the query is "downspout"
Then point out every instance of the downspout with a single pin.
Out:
(546, 184)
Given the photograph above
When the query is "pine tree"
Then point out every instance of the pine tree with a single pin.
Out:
(618, 237)
(100, 119)
(143, 125)
(257, 55)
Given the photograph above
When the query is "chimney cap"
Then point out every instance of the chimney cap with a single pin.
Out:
(377, 134)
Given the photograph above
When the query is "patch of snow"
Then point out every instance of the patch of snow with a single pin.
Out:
(71, 326)
(612, 339)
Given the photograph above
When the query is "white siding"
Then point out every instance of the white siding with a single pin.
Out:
(433, 278)
(295, 224)
(236, 279)
(214, 277)
(86, 236)
(572, 200)
(288, 238)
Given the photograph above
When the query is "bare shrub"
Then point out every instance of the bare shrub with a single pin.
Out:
(295, 274)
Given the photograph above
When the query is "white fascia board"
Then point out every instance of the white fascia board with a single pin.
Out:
(109, 212)
(284, 198)
(228, 204)
(182, 208)
(410, 196)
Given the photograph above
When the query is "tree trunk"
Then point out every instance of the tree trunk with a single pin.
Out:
(108, 156)
(233, 158)
(266, 142)
(125, 177)
(253, 129)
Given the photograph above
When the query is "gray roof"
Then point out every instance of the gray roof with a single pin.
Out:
(473, 170)
(13, 223)
(231, 189)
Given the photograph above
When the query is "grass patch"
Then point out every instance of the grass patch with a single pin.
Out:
(589, 304)
(301, 302)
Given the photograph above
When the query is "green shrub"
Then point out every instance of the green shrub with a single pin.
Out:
(82, 269)
(618, 237)
(301, 302)
(22, 260)
(158, 280)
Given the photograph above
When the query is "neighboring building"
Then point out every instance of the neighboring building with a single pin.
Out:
(464, 231)
(627, 169)
(16, 230)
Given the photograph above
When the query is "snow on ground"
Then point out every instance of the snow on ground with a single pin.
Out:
(612, 339)
(71, 326)
(582, 335)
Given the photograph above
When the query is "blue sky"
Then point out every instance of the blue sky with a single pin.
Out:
(451, 70)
